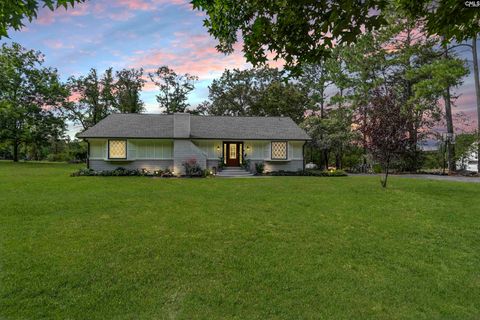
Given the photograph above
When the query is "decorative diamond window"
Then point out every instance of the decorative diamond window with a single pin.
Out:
(279, 150)
(117, 149)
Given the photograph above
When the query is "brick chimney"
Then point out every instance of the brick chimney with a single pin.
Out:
(181, 125)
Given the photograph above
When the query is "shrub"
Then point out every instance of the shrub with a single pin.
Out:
(221, 164)
(192, 168)
(207, 173)
(246, 164)
(118, 172)
(166, 174)
(259, 167)
(311, 173)
(377, 168)
(84, 172)
(326, 173)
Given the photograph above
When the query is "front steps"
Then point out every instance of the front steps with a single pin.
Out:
(234, 172)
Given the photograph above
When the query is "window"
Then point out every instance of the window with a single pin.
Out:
(117, 149)
(225, 153)
(279, 150)
(233, 151)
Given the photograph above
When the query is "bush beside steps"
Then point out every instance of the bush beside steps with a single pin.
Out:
(309, 173)
(122, 172)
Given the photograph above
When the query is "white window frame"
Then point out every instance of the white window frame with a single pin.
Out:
(108, 149)
(286, 150)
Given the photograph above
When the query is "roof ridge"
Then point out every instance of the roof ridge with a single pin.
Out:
(196, 115)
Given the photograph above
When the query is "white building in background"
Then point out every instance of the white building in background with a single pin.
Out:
(469, 161)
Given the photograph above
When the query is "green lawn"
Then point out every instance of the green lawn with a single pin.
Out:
(279, 247)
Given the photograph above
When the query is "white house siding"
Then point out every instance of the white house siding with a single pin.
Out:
(98, 149)
(155, 154)
(137, 149)
(256, 150)
(295, 150)
(149, 154)
(152, 149)
(212, 164)
(469, 161)
(185, 150)
(260, 151)
(212, 148)
(150, 165)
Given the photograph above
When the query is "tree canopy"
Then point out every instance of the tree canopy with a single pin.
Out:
(12, 13)
(174, 89)
(296, 31)
(256, 92)
(30, 94)
(304, 32)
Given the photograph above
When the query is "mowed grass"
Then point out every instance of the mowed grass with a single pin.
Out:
(270, 248)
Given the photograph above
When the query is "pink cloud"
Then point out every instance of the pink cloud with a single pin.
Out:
(47, 17)
(118, 10)
(149, 4)
(193, 54)
(136, 4)
(120, 16)
(57, 44)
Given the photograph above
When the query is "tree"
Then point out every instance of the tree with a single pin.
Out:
(332, 133)
(410, 49)
(174, 89)
(366, 68)
(435, 80)
(13, 13)
(386, 128)
(256, 92)
(466, 144)
(403, 57)
(127, 90)
(476, 73)
(29, 97)
(94, 98)
(303, 32)
(450, 19)
(319, 81)
(316, 80)
(454, 21)
(299, 32)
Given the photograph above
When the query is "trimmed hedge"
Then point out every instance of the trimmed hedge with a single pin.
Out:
(309, 173)
(121, 172)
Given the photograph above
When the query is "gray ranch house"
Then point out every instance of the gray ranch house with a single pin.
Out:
(157, 142)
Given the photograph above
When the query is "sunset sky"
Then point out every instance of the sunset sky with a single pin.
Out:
(147, 33)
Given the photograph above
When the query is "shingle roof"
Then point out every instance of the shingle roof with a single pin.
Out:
(201, 127)
(132, 125)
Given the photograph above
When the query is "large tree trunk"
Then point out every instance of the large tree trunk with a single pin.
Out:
(385, 178)
(338, 161)
(450, 145)
(477, 91)
(449, 119)
(15, 150)
(325, 157)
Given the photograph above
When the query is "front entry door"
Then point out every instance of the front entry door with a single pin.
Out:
(233, 153)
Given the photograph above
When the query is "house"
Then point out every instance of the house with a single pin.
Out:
(157, 142)
(469, 160)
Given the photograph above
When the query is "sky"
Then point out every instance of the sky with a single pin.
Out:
(151, 33)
